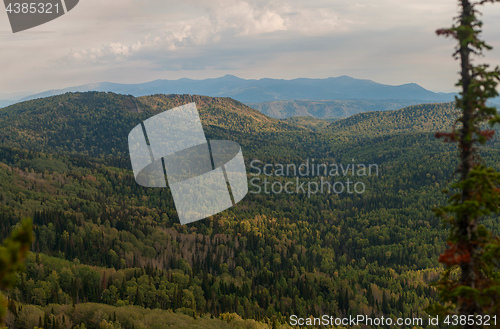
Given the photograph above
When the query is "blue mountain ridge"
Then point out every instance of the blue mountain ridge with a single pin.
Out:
(265, 90)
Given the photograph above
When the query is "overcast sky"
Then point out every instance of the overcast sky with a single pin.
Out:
(132, 41)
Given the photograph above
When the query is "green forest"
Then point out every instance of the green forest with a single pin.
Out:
(108, 253)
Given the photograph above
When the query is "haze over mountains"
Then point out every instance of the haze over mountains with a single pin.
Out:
(332, 97)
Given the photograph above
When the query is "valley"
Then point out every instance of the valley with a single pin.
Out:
(110, 251)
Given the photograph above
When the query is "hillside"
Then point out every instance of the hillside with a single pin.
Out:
(309, 122)
(327, 109)
(97, 124)
(418, 118)
(110, 246)
(225, 113)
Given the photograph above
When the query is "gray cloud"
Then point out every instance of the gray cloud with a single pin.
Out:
(220, 22)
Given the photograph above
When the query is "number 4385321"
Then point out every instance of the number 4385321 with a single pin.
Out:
(471, 320)
(32, 8)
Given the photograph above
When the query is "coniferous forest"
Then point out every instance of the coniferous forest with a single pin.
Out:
(108, 253)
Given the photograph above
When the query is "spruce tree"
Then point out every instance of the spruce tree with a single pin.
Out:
(470, 284)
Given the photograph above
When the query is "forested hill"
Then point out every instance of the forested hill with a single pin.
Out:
(328, 109)
(224, 113)
(103, 239)
(98, 123)
(417, 118)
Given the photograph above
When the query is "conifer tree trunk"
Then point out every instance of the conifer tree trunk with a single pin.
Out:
(467, 224)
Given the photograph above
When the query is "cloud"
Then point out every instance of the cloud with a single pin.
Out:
(217, 22)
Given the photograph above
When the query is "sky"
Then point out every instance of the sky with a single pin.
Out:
(131, 41)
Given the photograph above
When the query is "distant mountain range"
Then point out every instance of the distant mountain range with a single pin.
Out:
(254, 91)
(321, 98)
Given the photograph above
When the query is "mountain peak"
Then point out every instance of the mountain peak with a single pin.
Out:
(346, 77)
(230, 77)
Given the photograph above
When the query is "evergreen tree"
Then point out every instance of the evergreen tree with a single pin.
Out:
(386, 310)
(470, 282)
(12, 254)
